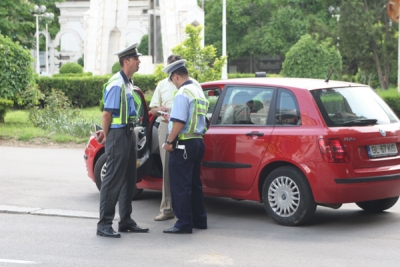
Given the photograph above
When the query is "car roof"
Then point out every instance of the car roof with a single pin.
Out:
(302, 83)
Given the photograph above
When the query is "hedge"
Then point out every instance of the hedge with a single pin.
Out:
(86, 91)
(394, 103)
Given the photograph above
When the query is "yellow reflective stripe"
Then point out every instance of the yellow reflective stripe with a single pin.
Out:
(200, 108)
(137, 101)
(186, 136)
(193, 120)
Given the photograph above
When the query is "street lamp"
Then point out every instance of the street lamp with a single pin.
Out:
(40, 12)
(49, 17)
(335, 12)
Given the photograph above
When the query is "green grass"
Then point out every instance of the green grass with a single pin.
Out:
(16, 126)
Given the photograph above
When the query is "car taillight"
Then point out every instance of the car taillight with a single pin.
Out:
(333, 151)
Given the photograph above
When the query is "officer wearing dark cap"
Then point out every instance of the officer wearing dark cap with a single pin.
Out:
(187, 124)
(118, 120)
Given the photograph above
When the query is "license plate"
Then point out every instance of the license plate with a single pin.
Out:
(376, 151)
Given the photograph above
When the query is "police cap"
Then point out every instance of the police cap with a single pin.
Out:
(174, 66)
(129, 51)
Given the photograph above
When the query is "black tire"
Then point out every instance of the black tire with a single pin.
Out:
(376, 206)
(99, 171)
(287, 197)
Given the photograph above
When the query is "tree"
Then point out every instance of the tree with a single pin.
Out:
(16, 71)
(259, 27)
(17, 22)
(143, 47)
(367, 40)
(202, 62)
(311, 58)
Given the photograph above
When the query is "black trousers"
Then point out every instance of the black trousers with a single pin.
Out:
(186, 187)
(120, 178)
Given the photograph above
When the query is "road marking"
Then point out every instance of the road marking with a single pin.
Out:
(18, 261)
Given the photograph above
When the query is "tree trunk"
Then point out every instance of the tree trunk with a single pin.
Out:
(378, 64)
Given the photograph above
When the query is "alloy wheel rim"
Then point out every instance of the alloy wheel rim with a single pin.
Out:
(103, 171)
(284, 196)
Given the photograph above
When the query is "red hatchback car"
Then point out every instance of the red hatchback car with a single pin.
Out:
(291, 144)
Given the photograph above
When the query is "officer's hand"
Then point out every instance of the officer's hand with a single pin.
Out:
(100, 137)
(168, 147)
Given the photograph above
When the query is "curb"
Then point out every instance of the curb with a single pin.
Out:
(49, 212)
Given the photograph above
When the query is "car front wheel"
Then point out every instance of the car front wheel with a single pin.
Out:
(100, 170)
(375, 206)
(287, 197)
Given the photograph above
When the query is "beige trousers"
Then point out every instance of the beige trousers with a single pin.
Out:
(166, 205)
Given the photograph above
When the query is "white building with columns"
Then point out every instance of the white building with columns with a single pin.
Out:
(95, 29)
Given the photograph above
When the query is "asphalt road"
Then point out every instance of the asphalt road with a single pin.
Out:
(48, 211)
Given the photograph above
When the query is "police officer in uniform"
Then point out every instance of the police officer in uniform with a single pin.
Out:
(187, 124)
(118, 120)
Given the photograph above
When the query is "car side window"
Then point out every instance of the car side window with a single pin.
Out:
(245, 105)
(287, 110)
(212, 96)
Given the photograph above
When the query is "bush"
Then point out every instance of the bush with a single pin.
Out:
(71, 67)
(115, 68)
(311, 58)
(16, 71)
(81, 61)
(58, 117)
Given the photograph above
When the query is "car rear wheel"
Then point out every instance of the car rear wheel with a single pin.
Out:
(100, 170)
(375, 206)
(287, 197)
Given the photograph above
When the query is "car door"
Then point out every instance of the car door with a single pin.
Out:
(142, 138)
(238, 137)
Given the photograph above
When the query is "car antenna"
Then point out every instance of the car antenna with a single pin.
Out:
(329, 76)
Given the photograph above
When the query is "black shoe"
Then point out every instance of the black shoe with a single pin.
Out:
(109, 232)
(174, 230)
(133, 229)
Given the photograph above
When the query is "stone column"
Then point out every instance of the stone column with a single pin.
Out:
(105, 27)
(175, 15)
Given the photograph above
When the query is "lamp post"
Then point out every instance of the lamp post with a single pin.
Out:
(49, 17)
(40, 12)
(224, 74)
(335, 12)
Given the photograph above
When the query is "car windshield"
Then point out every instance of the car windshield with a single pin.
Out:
(352, 106)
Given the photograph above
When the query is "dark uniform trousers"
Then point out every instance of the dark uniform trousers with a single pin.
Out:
(186, 188)
(120, 178)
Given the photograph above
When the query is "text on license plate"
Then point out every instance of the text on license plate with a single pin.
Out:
(383, 150)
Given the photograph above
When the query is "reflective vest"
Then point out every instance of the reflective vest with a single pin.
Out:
(123, 117)
(200, 109)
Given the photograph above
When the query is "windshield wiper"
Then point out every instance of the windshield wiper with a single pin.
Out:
(360, 122)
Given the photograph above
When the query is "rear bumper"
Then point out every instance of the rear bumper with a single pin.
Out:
(368, 179)
(340, 183)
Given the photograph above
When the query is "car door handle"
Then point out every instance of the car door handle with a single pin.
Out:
(255, 133)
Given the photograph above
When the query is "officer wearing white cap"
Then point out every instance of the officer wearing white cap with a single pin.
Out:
(162, 100)
(187, 124)
(118, 120)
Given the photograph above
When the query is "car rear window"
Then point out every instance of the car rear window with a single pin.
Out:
(352, 106)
